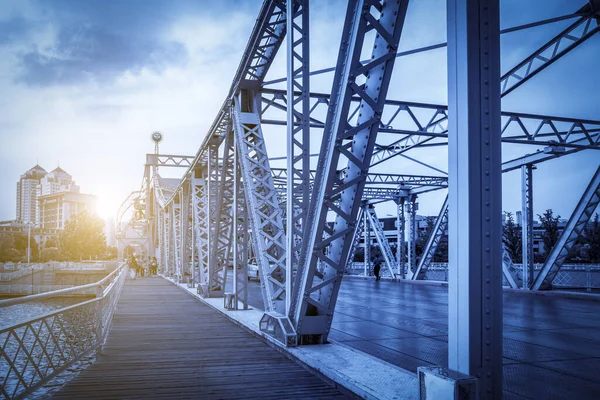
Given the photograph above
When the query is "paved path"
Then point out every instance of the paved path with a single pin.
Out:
(551, 344)
(165, 344)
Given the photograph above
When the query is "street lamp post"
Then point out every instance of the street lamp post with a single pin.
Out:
(29, 253)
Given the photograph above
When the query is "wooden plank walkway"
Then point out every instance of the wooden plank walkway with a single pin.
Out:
(165, 344)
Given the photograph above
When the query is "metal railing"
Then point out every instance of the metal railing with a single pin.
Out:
(570, 276)
(25, 290)
(35, 351)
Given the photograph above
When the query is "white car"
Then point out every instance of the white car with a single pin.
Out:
(253, 272)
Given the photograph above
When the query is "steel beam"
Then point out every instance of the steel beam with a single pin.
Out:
(438, 231)
(527, 224)
(411, 255)
(567, 40)
(400, 227)
(475, 194)
(324, 249)
(240, 238)
(581, 215)
(382, 241)
(298, 132)
(268, 236)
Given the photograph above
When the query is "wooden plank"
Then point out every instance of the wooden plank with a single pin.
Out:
(165, 344)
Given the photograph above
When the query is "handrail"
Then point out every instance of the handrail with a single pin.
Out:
(42, 296)
(38, 349)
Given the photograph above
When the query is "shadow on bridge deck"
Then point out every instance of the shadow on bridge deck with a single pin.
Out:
(551, 343)
(165, 344)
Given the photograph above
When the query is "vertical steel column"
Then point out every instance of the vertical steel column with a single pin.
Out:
(240, 238)
(527, 223)
(213, 281)
(475, 194)
(199, 198)
(367, 242)
(298, 132)
(185, 226)
(176, 223)
(412, 233)
(169, 239)
(400, 227)
(400, 236)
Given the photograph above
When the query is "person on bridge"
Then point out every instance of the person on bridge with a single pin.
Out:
(153, 266)
(133, 267)
(377, 266)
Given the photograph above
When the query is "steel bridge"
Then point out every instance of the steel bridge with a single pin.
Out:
(300, 222)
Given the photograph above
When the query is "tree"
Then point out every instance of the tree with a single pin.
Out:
(83, 237)
(8, 252)
(423, 236)
(591, 234)
(112, 253)
(512, 237)
(550, 225)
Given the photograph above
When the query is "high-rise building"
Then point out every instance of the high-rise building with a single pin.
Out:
(27, 193)
(57, 208)
(56, 181)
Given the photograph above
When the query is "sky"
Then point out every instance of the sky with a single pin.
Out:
(85, 83)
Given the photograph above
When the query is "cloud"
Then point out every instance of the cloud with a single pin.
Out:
(91, 53)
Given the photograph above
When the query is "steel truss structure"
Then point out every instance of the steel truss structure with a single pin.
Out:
(302, 223)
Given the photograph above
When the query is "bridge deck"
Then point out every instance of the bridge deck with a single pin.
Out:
(164, 343)
(551, 344)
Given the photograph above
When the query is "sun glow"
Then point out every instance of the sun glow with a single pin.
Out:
(107, 206)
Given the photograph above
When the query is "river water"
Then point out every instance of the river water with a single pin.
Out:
(12, 315)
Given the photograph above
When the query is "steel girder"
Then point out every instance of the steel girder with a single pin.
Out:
(317, 285)
(382, 241)
(400, 226)
(168, 241)
(439, 229)
(411, 208)
(186, 230)
(508, 268)
(298, 131)
(168, 160)
(578, 32)
(201, 227)
(221, 245)
(420, 124)
(266, 38)
(239, 246)
(280, 176)
(177, 238)
(214, 286)
(358, 233)
(581, 215)
(366, 229)
(527, 223)
(266, 223)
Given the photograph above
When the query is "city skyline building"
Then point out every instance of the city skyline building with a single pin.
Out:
(57, 208)
(48, 199)
(56, 181)
(27, 194)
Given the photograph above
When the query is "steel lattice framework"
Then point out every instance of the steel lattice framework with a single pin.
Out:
(302, 224)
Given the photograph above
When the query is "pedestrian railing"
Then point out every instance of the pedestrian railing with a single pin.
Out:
(35, 351)
(570, 276)
(25, 290)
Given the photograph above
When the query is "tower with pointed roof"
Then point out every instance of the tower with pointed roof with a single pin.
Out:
(27, 194)
(57, 181)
